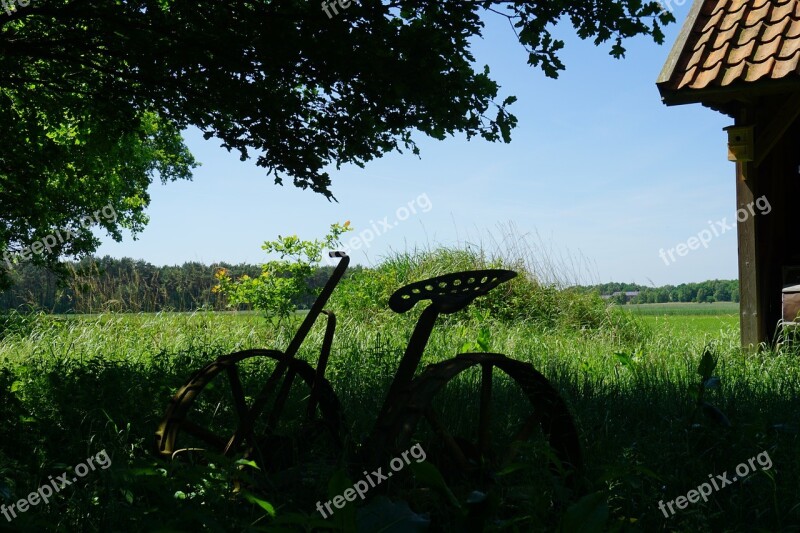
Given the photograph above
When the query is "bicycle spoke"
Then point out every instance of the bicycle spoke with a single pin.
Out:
(259, 403)
(485, 414)
(280, 401)
(238, 393)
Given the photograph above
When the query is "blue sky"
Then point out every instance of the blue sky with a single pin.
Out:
(598, 170)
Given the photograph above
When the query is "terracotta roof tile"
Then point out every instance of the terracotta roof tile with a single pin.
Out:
(782, 10)
(712, 21)
(732, 73)
(756, 71)
(707, 76)
(688, 78)
(788, 66)
(763, 52)
(776, 30)
(794, 30)
(738, 54)
(712, 8)
(789, 49)
(729, 41)
(757, 14)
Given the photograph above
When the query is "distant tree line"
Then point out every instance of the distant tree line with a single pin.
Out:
(704, 292)
(104, 284)
(95, 285)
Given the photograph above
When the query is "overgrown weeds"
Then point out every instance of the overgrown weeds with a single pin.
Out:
(70, 386)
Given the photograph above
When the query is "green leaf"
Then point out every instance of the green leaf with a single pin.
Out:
(266, 506)
(247, 462)
(428, 474)
(145, 471)
(484, 336)
(707, 364)
(625, 359)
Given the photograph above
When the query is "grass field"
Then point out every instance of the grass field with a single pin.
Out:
(74, 386)
(704, 320)
(685, 309)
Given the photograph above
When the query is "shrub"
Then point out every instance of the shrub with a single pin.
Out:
(523, 298)
(283, 280)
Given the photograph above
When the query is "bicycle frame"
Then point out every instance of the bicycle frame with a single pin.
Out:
(411, 357)
(319, 304)
(414, 350)
(402, 378)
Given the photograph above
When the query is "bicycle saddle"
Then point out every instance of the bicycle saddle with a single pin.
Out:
(450, 292)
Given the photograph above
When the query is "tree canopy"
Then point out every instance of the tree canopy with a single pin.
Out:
(94, 94)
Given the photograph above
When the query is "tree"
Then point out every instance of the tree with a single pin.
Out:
(93, 94)
(619, 298)
(722, 294)
(703, 295)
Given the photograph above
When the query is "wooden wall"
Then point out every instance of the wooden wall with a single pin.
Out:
(768, 242)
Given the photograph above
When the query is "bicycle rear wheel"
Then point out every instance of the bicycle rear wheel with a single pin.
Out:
(493, 427)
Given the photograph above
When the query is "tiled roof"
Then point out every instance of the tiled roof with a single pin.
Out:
(727, 42)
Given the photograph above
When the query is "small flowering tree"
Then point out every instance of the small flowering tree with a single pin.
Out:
(281, 280)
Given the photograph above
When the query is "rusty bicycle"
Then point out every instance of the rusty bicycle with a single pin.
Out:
(279, 411)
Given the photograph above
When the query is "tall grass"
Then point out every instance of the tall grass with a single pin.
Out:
(72, 386)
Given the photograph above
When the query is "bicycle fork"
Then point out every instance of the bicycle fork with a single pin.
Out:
(246, 425)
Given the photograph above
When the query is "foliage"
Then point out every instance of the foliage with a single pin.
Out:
(282, 280)
(704, 292)
(61, 163)
(72, 386)
(523, 298)
(708, 363)
(282, 79)
(102, 284)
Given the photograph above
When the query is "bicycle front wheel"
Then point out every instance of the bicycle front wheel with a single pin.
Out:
(257, 404)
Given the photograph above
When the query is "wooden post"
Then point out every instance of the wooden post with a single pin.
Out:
(751, 311)
(741, 149)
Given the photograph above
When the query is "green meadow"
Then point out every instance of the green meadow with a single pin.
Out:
(650, 430)
(707, 319)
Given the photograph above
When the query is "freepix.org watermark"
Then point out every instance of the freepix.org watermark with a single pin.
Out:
(10, 9)
(44, 492)
(420, 204)
(57, 237)
(715, 230)
(704, 490)
(326, 6)
(362, 486)
(666, 5)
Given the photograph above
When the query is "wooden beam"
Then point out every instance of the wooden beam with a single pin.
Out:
(782, 119)
(751, 310)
